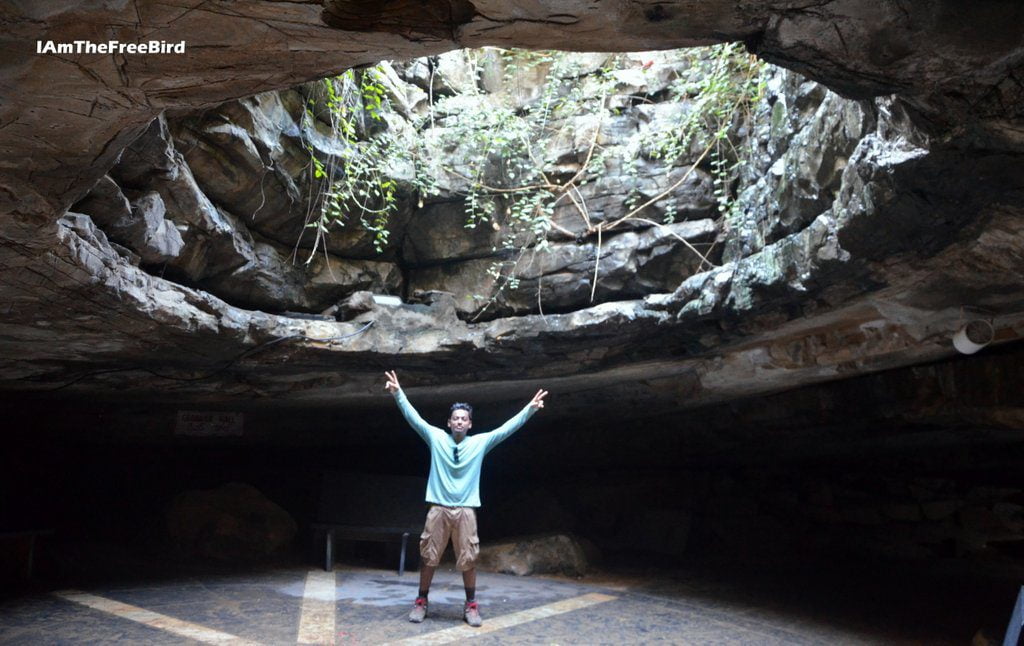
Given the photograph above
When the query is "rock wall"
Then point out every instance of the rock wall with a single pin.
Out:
(920, 226)
(228, 199)
(852, 254)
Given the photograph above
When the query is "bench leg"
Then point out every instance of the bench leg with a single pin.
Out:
(31, 556)
(401, 559)
(329, 551)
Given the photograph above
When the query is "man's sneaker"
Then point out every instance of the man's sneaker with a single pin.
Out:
(472, 614)
(419, 610)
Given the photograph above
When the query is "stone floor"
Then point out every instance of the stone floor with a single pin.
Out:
(355, 605)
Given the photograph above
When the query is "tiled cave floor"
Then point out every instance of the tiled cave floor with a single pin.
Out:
(360, 605)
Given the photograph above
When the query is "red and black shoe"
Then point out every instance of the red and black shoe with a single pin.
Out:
(472, 614)
(419, 610)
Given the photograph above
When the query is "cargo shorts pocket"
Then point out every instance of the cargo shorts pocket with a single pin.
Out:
(428, 551)
(469, 552)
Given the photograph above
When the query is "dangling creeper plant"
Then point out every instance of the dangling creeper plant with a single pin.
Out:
(508, 147)
(722, 89)
(510, 181)
(719, 90)
(358, 184)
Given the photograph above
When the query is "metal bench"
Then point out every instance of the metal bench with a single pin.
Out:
(331, 533)
(369, 507)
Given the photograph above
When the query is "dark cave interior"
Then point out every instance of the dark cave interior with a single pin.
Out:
(893, 498)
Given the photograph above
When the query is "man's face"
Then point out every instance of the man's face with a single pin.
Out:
(459, 423)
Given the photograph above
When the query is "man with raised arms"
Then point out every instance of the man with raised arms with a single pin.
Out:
(453, 491)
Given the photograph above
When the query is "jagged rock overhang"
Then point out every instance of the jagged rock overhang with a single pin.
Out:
(865, 48)
(45, 268)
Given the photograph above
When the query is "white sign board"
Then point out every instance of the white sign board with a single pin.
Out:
(208, 423)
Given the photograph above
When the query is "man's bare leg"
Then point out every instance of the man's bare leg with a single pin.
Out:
(419, 608)
(472, 612)
(426, 576)
(469, 581)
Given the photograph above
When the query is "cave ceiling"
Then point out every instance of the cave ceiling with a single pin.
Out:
(929, 228)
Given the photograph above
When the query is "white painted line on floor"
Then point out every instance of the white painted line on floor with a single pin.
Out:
(316, 626)
(154, 619)
(449, 635)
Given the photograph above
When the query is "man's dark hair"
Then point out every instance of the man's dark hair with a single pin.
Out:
(461, 406)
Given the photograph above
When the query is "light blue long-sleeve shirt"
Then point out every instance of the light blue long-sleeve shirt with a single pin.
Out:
(451, 483)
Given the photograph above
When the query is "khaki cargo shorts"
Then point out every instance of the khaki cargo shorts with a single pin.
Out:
(456, 523)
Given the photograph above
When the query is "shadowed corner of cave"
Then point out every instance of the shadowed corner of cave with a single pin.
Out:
(785, 404)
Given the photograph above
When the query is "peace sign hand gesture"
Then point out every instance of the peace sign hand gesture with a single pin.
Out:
(538, 400)
(392, 384)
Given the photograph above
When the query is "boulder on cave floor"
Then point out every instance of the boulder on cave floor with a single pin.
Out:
(551, 554)
(232, 523)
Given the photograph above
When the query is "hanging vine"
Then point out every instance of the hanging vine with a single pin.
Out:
(358, 184)
(509, 180)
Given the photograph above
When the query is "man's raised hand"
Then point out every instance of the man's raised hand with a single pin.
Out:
(392, 384)
(538, 400)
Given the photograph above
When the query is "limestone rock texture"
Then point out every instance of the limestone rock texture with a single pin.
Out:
(554, 554)
(138, 258)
